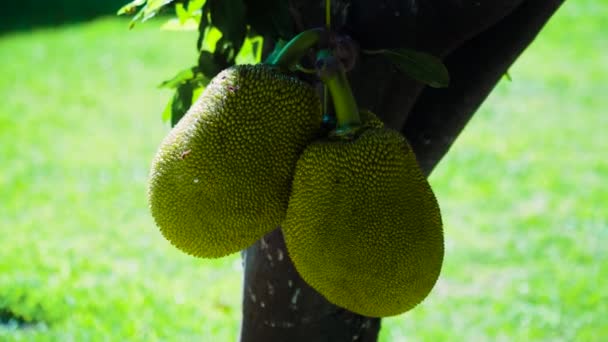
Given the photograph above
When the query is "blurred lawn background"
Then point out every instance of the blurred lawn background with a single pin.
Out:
(523, 193)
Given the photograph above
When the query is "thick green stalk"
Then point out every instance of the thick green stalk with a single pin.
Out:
(296, 48)
(328, 14)
(333, 75)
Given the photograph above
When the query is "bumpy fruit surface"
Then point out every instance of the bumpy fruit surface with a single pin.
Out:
(221, 178)
(363, 226)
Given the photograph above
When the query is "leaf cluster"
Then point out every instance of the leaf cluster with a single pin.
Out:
(233, 32)
(230, 32)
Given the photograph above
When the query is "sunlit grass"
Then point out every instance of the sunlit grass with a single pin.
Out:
(80, 121)
(522, 192)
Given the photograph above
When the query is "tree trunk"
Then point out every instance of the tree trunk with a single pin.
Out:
(478, 41)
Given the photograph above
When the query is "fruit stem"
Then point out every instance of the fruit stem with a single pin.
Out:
(297, 47)
(332, 73)
(328, 14)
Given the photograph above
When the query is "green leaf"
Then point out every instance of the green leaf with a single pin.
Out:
(224, 53)
(420, 66)
(190, 75)
(251, 51)
(196, 93)
(181, 12)
(131, 7)
(181, 102)
(229, 17)
(188, 85)
(210, 38)
(139, 15)
(195, 6)
(203, 26)
(174, 24)
(278, 46)
(150, 9)
(181, 77)
(174, 110)
(209, 64)
(153, 6)
(166, 115)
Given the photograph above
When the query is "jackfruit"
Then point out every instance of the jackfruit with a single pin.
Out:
(221, 178)
(363, 227)
(369, 119)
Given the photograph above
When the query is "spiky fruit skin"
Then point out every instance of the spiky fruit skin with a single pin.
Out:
(221, 178)
(369, 119)
(363, 227)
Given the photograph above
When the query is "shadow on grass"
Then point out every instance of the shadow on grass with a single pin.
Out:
(26, 15)
(10, 318)
(24, 316)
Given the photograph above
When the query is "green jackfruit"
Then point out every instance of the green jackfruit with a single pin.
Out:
(369, 119)
(221, 178)
(363, 226)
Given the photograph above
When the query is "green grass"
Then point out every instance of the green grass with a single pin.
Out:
(523, 193)
(80, 121)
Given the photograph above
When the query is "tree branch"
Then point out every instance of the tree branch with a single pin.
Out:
(439, 115)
